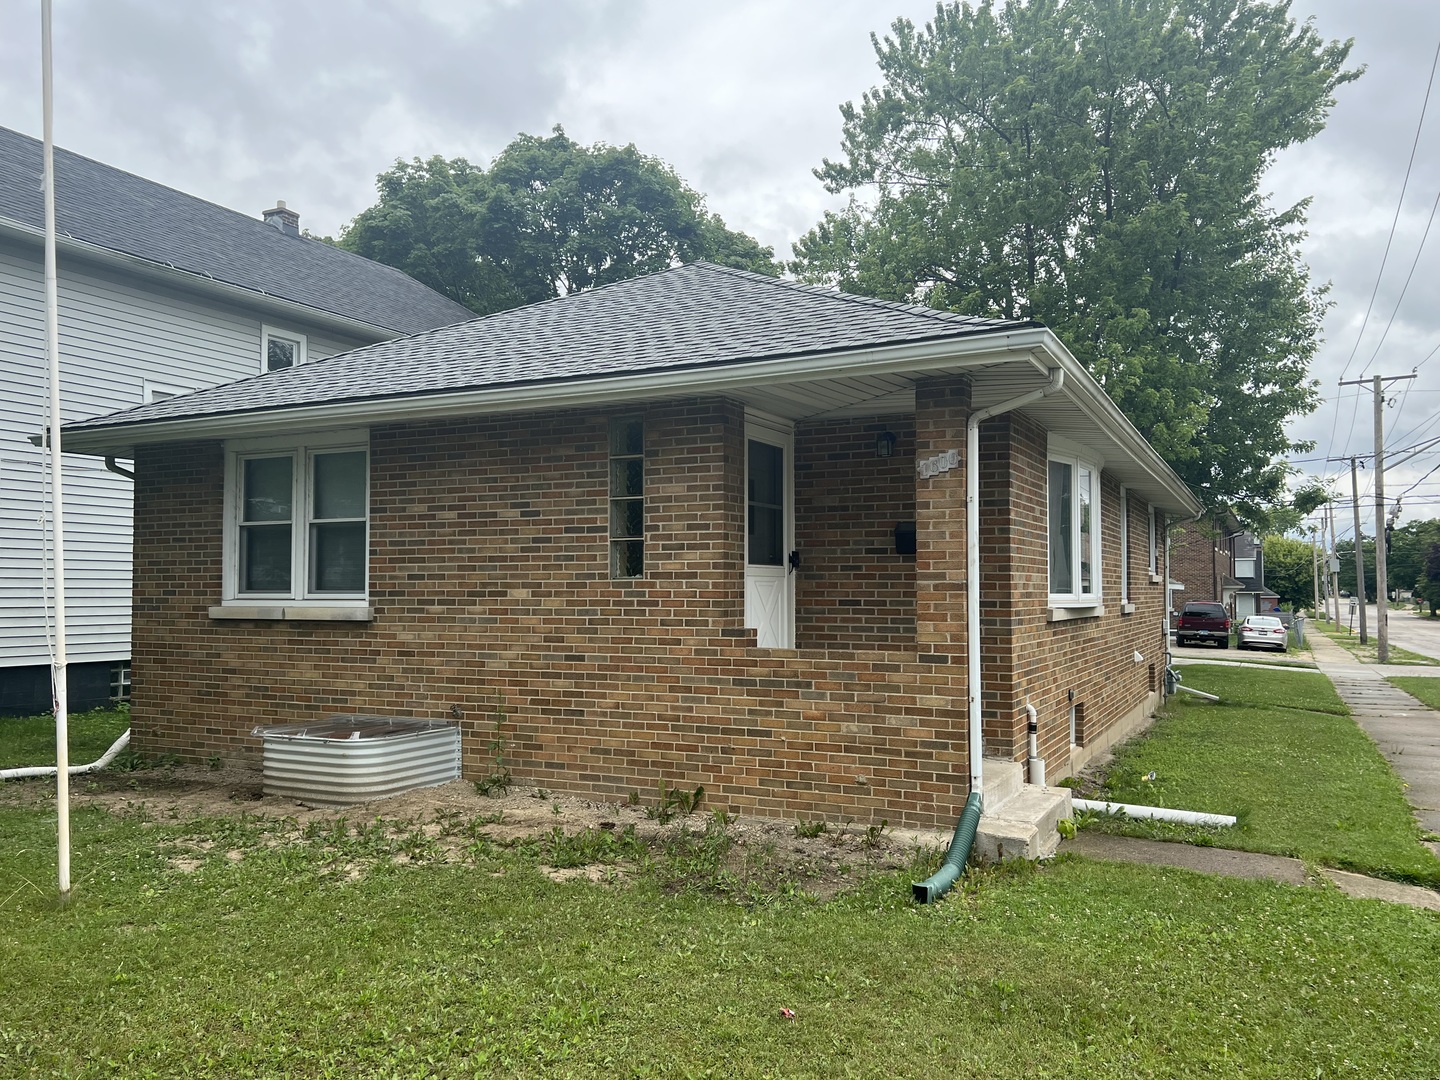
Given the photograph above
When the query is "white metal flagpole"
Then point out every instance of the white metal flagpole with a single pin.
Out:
(52, 427)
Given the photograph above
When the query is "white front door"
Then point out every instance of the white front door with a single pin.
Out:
(769, 533)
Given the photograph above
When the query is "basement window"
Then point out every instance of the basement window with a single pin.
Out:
(627, 498)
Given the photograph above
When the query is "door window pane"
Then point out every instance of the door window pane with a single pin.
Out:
(766, 526)
(340, 485)
(1062, 565)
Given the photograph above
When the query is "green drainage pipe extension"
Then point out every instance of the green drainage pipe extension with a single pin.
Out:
(938, 883)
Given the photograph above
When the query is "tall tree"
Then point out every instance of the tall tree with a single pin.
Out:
(1289, 570)
(1096, 164)
(549, 217)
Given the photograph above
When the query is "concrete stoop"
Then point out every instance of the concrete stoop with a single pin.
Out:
(1020, 820)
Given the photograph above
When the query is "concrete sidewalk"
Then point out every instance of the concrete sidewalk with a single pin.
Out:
(1406, 731)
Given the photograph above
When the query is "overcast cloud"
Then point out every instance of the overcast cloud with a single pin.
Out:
(243, 104)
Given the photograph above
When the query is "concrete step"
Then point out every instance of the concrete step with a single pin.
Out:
(1025, 826)
(1002, 782)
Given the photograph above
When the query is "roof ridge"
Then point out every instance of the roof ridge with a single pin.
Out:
(859, 298)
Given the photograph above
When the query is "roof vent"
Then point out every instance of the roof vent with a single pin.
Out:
(287, 221)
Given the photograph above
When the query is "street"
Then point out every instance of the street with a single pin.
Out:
(1419, 634)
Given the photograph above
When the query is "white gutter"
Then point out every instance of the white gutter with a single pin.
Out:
(972, 560)
(1041, 346)
(1153, 813)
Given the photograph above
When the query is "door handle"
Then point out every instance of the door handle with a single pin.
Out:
(794, 561)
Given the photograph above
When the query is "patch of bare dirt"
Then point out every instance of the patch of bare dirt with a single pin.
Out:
(441, 824)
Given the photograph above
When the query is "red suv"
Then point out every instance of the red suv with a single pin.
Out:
(1203, 621)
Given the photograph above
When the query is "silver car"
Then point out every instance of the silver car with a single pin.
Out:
(1262, 631)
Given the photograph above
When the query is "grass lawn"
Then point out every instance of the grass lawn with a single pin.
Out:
(280, 952)
(1418, 686)
(1281, 753)
(1369, 653)
(30, 740)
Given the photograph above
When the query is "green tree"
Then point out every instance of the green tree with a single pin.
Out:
(1096, 165)
(549, 217)
(1430, 585)
(1290, 571)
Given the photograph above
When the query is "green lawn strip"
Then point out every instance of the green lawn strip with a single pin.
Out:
(1369, 653)
(1419, 686)
(1281, 753)
(30, 740)
(278, 965)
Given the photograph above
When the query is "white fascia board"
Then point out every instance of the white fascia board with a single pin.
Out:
(197, 282)
(1036, 346)
(978, 351)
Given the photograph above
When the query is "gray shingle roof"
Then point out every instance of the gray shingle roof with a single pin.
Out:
(121, 212)
(688, 317)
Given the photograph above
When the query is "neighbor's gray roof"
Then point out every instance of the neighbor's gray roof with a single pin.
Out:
(693, 316)
(120, 212)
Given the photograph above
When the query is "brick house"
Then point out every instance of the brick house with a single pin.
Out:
(703, 527)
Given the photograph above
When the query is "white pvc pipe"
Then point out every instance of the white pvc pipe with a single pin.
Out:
(73, 770)
(1155, 813)
(59, 690)
(1036, 762)
(972, 561)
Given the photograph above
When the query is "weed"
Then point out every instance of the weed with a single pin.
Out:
(540, 793)
(808, 830)
(874, 834)
(498, 780)
(674, 802)
(633, 798)
(129, 760)
(214, 762)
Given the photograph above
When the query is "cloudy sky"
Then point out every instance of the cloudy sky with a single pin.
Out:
(243, 104)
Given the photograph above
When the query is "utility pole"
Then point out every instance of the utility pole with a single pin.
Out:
(1315, 569)
(1334, 561)
(1359, 553)
(1382, 587)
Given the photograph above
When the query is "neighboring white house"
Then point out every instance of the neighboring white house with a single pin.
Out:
(161, 294)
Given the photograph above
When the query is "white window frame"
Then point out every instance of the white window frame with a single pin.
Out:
(166, 390)
(1075, 603)
(1154, 548)
(301, 601)
(1124, 547)
(298, 340)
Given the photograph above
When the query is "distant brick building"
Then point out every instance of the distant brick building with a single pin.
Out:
(702, 527)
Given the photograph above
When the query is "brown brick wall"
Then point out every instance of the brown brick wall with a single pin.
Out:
(489, 580)
(1198, 552)
(853, 590)
(1029, 658)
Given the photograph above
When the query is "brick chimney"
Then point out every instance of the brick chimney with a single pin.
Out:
(287, 221)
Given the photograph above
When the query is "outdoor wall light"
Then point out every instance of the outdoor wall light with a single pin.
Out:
(885, 444)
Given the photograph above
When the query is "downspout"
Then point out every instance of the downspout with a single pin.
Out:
(972, 559)
(938, 884)
(118, 470)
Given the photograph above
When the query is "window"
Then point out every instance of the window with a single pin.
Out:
(1154, 548)
(279, 349)
(1074, 530)
(158, 391)
(1124, 546)
(297, 521)
(120, 682)
(627, 498)
(1244, 568)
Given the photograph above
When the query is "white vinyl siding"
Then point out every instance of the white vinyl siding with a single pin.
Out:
(118, 336)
